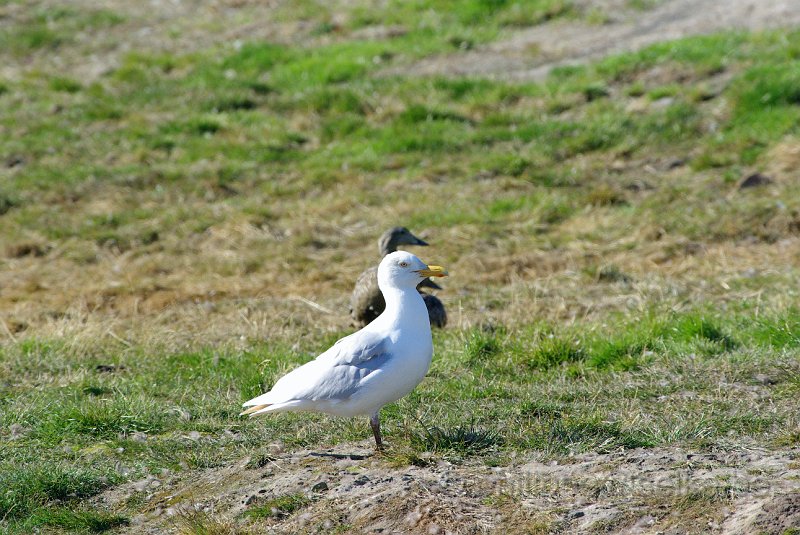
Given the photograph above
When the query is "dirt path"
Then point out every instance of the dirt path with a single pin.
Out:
(666, 490)
(532, 53)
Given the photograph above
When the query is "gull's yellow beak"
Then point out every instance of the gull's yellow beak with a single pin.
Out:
(433, 271)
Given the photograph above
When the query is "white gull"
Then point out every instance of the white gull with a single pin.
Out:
(372, 367)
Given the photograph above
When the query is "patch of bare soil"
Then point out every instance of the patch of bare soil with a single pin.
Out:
(667, 490)
(531, 53)
(779, 514)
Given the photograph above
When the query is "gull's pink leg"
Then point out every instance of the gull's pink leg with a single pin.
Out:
(375, 424)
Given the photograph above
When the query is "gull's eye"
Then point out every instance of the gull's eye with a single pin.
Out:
(403, 264)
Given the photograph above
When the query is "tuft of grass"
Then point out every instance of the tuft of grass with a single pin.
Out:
(99, 418)
(418, 114)
(554, 351)
(260, 461)
(605, 195)
(37, 36)
(201, 523)
(611, 273)
(481, 345)
(52, 28)
(595, 91)
(565, 435)
(703, 502)
(7, 202)
(767, 87)
(775, 330)
(232, 103)
(698, 327)
(29, 487)
(67, 85)
(461, 439)
(199, 125)
(75, 520)
(94, 390)
(278, 507)
(621, 352)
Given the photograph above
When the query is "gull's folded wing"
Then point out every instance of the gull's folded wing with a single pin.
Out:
(334, 375)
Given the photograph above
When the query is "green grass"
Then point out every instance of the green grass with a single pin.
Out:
(76, 521)
(487, 127)
(462, 439)
(489, 392)
(276, 507)
(31, 485)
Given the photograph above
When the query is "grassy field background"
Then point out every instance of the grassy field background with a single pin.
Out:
(183, 212)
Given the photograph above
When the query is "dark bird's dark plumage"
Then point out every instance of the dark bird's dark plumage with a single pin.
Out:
(436, 312)
(366, 302)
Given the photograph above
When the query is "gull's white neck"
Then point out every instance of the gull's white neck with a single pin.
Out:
(405, 303)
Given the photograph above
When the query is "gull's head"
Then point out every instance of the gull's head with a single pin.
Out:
(404, 270)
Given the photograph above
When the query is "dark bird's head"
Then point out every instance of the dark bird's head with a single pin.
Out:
(397, 236)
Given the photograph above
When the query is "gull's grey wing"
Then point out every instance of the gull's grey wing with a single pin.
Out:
(361, 346)
(337, 373)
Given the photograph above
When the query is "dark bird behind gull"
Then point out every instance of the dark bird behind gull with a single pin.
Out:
(366, 301)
